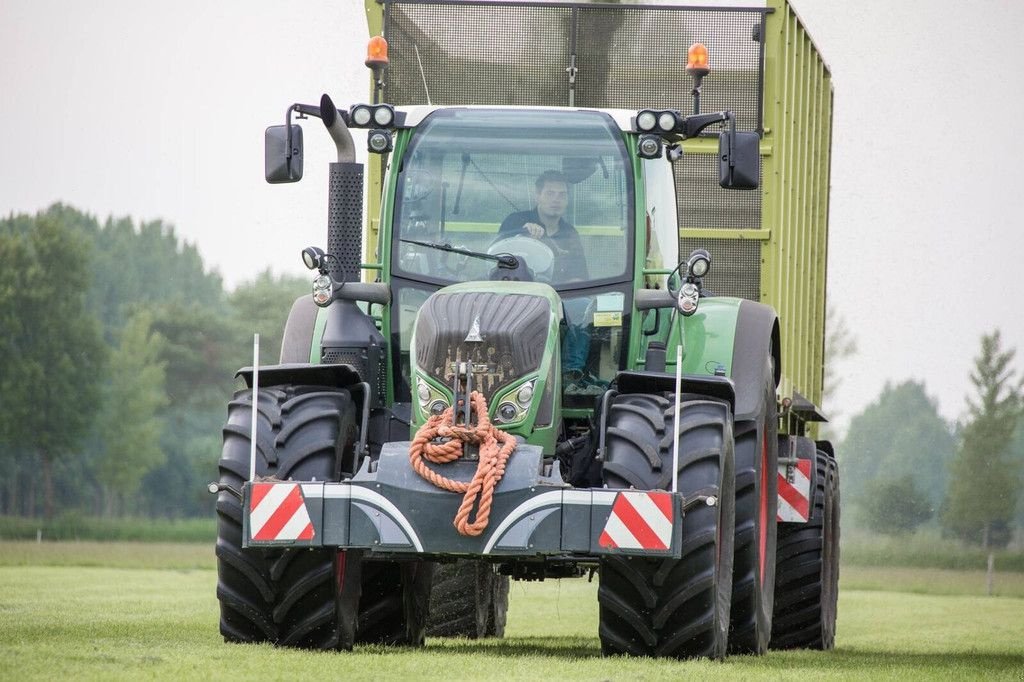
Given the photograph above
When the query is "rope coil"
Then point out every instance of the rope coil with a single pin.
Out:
(495, 448)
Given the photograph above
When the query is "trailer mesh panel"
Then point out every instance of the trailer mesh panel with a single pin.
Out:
(522, 54)
(735, 265)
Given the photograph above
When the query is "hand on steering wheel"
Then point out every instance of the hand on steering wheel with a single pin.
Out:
(534, 230)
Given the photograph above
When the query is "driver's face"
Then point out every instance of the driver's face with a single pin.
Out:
(553, 199)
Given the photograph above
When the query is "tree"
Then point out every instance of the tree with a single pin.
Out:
(984, 478)
(130, 421)
(262, 306)
(894, 506)
(899, 434)
(840, 344)
(53, 352)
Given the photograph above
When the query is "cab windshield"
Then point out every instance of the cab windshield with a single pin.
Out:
(552, 188)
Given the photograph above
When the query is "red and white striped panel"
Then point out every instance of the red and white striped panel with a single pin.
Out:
(639, 520)
(795, 496)
(277, 511)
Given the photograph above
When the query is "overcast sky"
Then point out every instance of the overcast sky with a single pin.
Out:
(157, 110)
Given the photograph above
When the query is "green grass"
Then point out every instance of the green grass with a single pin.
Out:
(92, 611)
(78, 527)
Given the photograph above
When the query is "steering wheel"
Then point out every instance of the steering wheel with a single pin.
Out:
(538, 255)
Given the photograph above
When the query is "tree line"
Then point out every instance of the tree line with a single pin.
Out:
(903, 465)
(117, 355)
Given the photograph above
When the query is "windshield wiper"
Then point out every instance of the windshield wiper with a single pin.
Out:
(504, 260)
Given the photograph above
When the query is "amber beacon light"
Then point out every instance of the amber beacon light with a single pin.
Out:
(377, 52)
(697, 60)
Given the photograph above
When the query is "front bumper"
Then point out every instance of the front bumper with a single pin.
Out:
(391, 510)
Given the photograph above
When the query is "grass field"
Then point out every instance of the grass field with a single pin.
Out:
(123, 611)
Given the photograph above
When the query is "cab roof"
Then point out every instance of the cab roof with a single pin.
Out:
(414, 115)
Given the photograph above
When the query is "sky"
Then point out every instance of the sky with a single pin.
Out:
(157, 111)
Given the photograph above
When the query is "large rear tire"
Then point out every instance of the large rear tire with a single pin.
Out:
(288, 597)
(753, 582)
(807, 573)
(468, 599)
(675, 608)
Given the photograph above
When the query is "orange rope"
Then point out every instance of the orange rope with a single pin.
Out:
(489, 470)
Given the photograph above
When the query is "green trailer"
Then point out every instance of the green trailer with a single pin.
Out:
(581, 332)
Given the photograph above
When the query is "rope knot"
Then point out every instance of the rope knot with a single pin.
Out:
(441, 440)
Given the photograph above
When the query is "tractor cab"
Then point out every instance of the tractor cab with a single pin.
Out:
(523, 195)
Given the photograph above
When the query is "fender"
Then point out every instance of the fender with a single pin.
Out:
(756, 335)
(297, 344)
(303, 374)
(734, 336)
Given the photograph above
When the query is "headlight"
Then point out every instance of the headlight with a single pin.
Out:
(525, 394)
(507, 412)
(514, 405)
(431, 401)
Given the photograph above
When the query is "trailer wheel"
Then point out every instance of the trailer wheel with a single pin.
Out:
(288, 597)
(807, 572)
(753, 582)
(671, 607)
(468, 599)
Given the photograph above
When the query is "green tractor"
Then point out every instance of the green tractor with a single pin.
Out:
(535, 384)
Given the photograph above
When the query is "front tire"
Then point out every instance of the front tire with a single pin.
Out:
(308, 598)
(289, 597)
(807, 574)
(659, 607)
(753, 586)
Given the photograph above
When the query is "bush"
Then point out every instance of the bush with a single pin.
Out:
(894, 506)
(923, 549)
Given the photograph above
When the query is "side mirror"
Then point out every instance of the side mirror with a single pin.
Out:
(739, 160)
(282, 158)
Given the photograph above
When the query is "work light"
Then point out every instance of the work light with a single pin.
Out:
(379, 141)
(699, 263)
(649, 146)
(312, 257)
(383, 115)
(360, 115)
(646, 120)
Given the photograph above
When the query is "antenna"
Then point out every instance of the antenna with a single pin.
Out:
(422, 75)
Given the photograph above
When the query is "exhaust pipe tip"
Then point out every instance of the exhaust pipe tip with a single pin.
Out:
(339, 132)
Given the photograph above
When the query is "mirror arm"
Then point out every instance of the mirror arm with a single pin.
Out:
(304, 111)
(693, 125)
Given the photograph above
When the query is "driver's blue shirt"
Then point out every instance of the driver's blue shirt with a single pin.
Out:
(566, 245)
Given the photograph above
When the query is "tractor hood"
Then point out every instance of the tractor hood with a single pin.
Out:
(508, 331)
